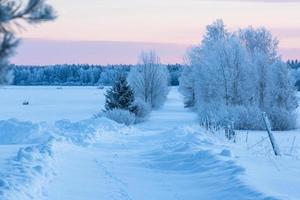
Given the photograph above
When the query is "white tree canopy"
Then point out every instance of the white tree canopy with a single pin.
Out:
(149, 80)
(236, 76)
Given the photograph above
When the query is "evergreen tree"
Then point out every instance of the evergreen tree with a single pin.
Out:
(120, 96)
(13, 14)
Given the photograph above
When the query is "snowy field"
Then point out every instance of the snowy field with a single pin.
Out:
(54, 149)
(50, 103)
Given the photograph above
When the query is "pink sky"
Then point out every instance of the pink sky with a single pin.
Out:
(151, 21)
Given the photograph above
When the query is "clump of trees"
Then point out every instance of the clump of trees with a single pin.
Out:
(13, 14)
(147, 90)
(235, 76)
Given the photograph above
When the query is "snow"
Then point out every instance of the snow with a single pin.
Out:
(277, 176)
(73, 155)
(50, 103)
(27, 172)
(16, 132)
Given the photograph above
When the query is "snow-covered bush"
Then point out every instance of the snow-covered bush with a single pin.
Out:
(282, 119)
(121, 116)
(248, 118)
(140, 108)
(149, 80)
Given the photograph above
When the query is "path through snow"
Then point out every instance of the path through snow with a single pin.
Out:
(166, 157)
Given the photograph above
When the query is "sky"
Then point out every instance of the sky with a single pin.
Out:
(167, 26)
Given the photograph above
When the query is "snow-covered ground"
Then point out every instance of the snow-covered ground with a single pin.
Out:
(50, 103)
(63, 152)
(277, 176)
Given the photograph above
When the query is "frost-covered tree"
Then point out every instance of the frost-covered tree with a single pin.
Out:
(274, 86)
(237, 76)
(149, 80)
(186, 87)
(281, 97)
(13, 14)
(120, 96)
(262, 48)
(220, 73)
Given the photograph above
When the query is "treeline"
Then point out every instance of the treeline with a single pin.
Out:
(294, 64)
(295, 68)
(77, 75)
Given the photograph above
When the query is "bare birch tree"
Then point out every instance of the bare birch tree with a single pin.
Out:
(149, 80)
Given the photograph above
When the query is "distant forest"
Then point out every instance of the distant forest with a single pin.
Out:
(77, 75)
(93, 75)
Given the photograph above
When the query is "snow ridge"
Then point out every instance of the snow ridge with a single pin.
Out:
(28, 172)
(187, 152)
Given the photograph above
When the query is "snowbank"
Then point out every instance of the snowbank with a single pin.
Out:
(16, 132)
(202, 156)
(91, 130)
(28, 172)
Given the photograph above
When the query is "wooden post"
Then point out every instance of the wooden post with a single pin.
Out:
(271, 136)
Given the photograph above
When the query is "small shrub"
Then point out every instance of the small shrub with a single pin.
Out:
(246, 118)
(243, 118)
(121, 116)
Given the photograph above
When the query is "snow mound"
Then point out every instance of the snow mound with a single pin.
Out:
(15, 132)
(91, 130)
(186, 152)
(28, 172)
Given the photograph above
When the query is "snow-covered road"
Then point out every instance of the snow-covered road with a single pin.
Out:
(166, 157)
(169, 156)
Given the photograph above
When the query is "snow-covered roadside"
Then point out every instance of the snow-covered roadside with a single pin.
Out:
(26, 154)
(117, 162)
(27, 173)
(276, 176)
(272, 175)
